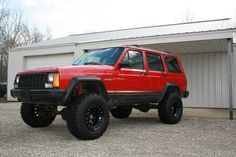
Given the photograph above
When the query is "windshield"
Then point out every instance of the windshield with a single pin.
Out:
(107, 56)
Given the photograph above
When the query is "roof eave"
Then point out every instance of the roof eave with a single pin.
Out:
(169, 38)
(178, 37)
(41, 47)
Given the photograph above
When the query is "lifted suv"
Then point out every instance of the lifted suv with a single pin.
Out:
(114, 79)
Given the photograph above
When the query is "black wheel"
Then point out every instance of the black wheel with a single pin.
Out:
(121, 112)
(36, 115)
(88, 117)
(170, 109)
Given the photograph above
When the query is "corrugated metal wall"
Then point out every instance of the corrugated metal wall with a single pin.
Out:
(207, 79)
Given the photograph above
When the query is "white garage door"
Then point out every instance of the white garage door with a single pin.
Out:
(49, 60)
(207, 79)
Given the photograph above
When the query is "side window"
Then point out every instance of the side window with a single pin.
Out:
(172, 64)
(133, 60)
(154, 62)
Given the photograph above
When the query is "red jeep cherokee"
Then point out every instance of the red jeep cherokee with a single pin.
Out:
(115, 79)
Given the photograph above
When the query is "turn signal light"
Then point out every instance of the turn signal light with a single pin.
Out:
(56, 80)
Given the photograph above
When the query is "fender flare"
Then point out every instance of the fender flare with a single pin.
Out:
(169, 87)
(76, 80)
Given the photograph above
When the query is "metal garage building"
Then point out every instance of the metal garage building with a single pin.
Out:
(205, 48)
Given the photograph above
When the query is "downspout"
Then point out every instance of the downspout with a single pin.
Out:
(230, 78)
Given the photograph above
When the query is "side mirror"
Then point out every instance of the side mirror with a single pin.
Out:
(124, 64)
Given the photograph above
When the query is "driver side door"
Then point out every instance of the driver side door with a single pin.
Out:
(132, 79)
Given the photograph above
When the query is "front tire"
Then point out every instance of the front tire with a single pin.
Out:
(170, 109)
(121, 112)
(36, 116)
(88, 117)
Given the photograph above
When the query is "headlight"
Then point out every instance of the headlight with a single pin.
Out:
(50, 77)
(17, 79)
(53, 80)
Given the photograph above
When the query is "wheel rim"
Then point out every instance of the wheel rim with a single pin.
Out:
(41, 113)
(94, 117)
(36, 112)
(176, 109)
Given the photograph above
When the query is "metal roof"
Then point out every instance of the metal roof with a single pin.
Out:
(160, 30)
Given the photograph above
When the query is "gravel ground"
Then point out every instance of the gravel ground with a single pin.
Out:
(140, 135)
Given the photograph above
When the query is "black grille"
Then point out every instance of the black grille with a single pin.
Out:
(35, 81)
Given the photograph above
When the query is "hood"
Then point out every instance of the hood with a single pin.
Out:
(38, 70)
(82, 69)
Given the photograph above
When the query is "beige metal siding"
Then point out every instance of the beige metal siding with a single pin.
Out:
(207, 79)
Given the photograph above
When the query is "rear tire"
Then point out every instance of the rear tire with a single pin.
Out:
(35, 116)
(121, 112)
(170, 109)
(88, 117)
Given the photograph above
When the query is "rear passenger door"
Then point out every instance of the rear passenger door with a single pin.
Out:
(156, 72)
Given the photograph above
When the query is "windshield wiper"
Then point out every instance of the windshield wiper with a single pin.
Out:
(92, 63)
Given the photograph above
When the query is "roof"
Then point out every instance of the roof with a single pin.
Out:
(160, 30)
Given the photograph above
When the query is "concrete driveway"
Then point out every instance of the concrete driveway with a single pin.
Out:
(200, 133)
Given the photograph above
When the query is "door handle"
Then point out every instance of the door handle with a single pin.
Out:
(144, 73)
(163, 74)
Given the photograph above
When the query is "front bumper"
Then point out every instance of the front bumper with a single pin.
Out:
(39, 96)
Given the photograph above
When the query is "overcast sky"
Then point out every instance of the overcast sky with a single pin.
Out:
(65, 17)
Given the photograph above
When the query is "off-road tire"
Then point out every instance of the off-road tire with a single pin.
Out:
(121, 112)
(88, 117)
(29, 114)
(170, 109)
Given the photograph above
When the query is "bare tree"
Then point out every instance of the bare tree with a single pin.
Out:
(36, 35)
(188, 16)
(15, 33)
(48, 35)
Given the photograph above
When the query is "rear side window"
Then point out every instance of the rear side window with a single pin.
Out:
(154, 62)
(172, 64)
